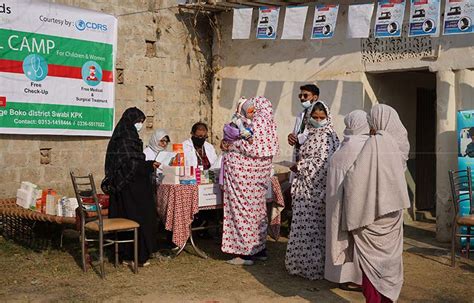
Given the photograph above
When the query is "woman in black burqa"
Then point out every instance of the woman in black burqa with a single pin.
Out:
(132, 194)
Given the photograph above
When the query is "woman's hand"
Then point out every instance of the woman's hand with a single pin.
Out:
(225, 145)
(294, 168)
(156, 164)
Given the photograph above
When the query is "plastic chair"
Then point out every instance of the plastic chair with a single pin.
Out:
(461, 190)
(85, 189)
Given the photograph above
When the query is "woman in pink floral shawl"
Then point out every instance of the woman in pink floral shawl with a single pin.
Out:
(247, 172)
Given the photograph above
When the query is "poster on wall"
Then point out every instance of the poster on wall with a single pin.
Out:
(465, 136)
(56, 69)
(324, 23)
(389, 19)
(267, 22)
(424, 18)
(458, 17)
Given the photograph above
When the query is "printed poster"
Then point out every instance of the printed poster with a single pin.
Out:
(267, 22)
(465, 136)
(389, 20)
(458, 17)
(324, 23)
(56, 69)
(424, 18)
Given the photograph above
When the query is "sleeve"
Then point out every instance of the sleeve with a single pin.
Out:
(303, 136)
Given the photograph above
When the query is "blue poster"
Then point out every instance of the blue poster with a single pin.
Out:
(389, 20)
(458, 17)
(267, 22)
(424, 18)
(465, 134)
(324, 23)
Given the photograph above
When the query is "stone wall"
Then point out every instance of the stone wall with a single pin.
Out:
(163, 64)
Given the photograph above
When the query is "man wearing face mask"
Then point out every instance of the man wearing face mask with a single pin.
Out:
(309, 93)
(198, 152)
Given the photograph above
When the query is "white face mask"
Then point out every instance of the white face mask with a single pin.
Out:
(306, 104)
(138, 126)
(318, 124)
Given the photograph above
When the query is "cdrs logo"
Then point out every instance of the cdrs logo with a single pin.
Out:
(83, 25)
(4, 9)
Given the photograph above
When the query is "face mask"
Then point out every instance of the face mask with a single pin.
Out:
(198, 142)
(306, 104)
(318, 124)
(138, 126)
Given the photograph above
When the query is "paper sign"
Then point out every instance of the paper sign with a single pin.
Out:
(424, 17)
(295, 18)
(242, 23)
(389, 20)
(360, 15)
(458, 17)
(324, 23)
(209, 195)
(267, 22)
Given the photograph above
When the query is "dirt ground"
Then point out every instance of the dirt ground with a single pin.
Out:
(54, 274)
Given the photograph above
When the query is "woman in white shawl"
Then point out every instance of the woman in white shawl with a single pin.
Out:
(375, 194)
(355, 136)
(306, 244)
(158, 142)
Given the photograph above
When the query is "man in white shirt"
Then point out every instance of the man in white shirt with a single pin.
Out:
(197, 151)
(309, 94)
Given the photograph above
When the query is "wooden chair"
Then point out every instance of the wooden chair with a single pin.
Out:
(461, 190)
(85, 189)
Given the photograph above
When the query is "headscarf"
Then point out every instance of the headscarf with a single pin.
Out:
(154, 143)
(356, 134)
(385, 118)
(125, 149)
(376, 185)
(325, 133)
(265, 139)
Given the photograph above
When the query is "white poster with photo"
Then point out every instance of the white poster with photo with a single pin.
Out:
(389, 19)
(424, 18)
(359, 17)
(242, 23)
(267, 22)
(324, 23)
(295, 18)
(458, 17)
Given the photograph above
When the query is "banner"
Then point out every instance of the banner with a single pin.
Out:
(389, 20)
(295, 18)
(267, 22)
(458, 17)
(359, 18)
(56, 69)
(324, 23)
(465, 135)
(424, 18)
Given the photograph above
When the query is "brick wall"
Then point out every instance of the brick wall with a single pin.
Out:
(163, 60)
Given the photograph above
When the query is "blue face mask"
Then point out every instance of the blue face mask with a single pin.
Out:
(306, 104)
(318, 124)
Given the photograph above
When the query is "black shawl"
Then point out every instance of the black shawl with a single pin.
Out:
(125, 150)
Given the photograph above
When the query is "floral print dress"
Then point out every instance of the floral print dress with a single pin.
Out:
(305, 254)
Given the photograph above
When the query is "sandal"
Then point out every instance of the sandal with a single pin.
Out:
(349, 286)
